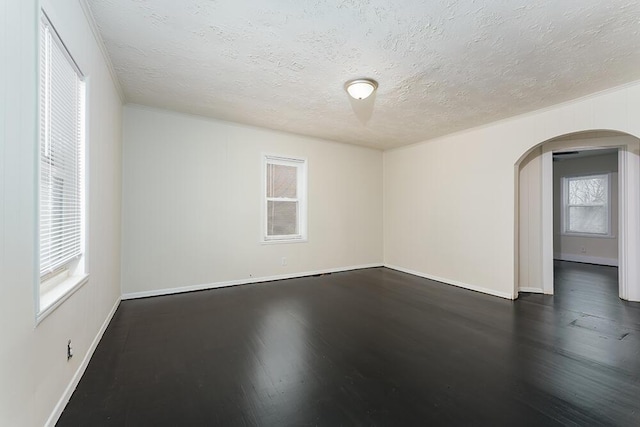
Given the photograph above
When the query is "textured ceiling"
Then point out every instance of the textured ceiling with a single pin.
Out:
(442, 66)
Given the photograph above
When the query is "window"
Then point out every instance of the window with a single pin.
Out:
(284, 199)
(61, 200)
(586, 205)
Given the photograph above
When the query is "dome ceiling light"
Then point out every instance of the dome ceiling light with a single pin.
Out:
(360, 88)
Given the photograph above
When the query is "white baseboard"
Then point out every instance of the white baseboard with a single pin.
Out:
(169, 291)
(64, 399)
(453, 282)
(586, 259)
(531, 290)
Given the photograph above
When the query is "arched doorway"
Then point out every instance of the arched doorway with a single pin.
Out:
(534, 210)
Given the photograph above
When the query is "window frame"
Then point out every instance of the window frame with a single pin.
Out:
(301, 166)
(55, 286)
(566, 206)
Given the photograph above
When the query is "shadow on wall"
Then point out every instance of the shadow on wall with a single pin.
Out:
(363, 108)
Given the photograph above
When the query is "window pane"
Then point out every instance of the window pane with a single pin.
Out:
(281, 181)
(61, 104)
(282, 218)
(588, 191)
(588, 219)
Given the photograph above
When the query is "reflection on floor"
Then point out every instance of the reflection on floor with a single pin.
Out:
(588, 288)
(369, 347)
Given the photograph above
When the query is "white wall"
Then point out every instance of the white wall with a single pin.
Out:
(450, 203)
(598, 250)
(192, 194)
(34, 372)
(530, 222)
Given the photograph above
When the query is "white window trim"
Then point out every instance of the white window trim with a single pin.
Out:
(59, 286)
(302, 167)
(564, 212)
(55, 295)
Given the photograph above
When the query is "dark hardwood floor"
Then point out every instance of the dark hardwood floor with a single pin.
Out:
(368, 347)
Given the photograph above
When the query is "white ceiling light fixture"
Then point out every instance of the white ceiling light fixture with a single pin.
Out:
(360, 88)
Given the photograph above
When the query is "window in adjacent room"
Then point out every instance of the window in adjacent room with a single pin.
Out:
(285, 208)
(586, 201)
(61, 167)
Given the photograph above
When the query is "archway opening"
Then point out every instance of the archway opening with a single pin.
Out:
(541, 234)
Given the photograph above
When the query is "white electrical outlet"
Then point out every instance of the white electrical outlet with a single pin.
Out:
(583, 250)
(283, 262)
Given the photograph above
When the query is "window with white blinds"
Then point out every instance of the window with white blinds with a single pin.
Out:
(285, 199)
(61, 154)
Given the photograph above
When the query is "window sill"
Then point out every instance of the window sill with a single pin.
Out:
(597, 236)
(281, 241)
(56, 295)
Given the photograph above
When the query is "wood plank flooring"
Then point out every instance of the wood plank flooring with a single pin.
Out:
(368, 347)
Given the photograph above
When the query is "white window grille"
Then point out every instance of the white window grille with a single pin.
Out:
(285, 199)
(586, 202)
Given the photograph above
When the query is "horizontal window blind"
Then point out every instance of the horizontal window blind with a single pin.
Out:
(61, 139)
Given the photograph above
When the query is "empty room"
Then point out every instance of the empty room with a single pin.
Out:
(288, 213)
